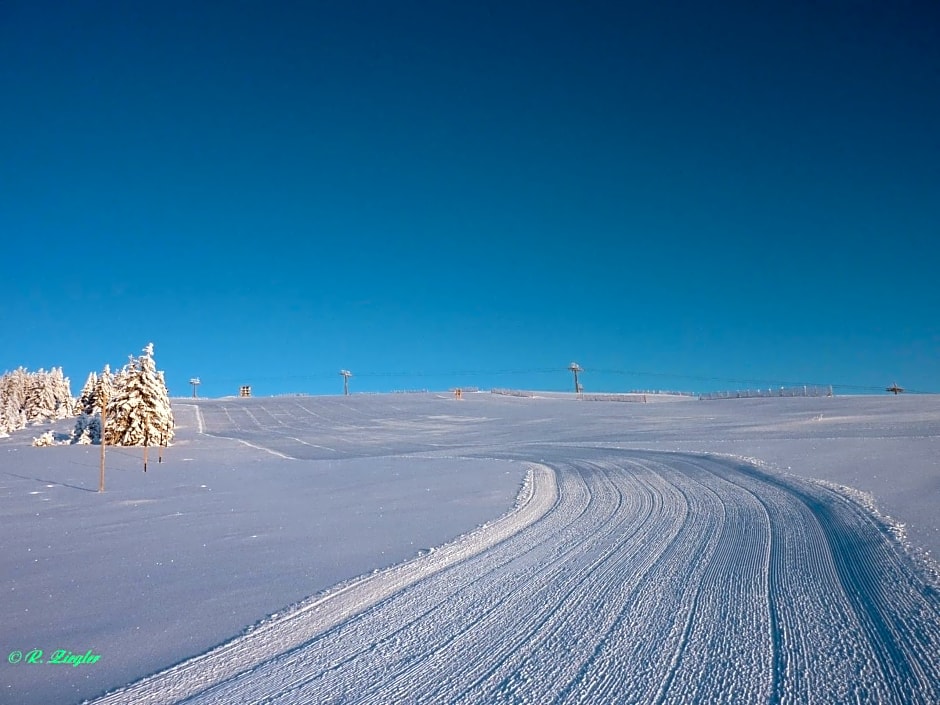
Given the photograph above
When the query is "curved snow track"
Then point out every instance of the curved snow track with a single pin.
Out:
(624, 577)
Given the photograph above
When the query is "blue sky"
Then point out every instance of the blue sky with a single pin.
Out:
(677, 195)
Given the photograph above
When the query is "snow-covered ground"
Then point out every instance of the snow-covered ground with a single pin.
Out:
(415, 548)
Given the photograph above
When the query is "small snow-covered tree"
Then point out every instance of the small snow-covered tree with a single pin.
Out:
(88, 424)
(87, 429)
(90, 402)
(86, 399)
(138, 410)
(46, 439)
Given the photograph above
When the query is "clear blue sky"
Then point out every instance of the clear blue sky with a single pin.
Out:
(677, 195)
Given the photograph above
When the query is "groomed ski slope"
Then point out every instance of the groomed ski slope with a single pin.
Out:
(627, 576)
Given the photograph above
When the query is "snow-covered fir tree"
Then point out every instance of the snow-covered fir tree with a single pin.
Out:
(62, 391)
(86, 399)
(40, 400)
(138, 410)
(87, 429)
(104, 387)
(90, 402)
(13, 388)
(33, 397)
(48, 396)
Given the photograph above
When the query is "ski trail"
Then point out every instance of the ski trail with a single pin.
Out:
(276, 453)
(197, 414)
(644, 578)
(312, 445)
(237, 427)
(318, 615)
(272, 431)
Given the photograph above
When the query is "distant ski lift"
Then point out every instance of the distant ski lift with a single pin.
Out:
(895, 389)
(575, 368)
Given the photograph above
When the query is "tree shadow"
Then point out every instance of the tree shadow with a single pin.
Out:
(50, 482)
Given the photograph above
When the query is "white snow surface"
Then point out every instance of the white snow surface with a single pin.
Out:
(416, 548)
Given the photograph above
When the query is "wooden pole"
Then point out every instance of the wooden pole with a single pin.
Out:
(104, 414)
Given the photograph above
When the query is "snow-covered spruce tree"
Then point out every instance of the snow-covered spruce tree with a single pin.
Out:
(12, 416)
(12, 394)
(104, 387)
(6, 414)
(88, 424)
(86, 399)
(15, 386)
(121, 407)
(62, 393)
(4, 428)
(87, 429)
(48, 396)
(33, 397)
(40, 400)
(90, 402)
(138, 410)
(13, 390)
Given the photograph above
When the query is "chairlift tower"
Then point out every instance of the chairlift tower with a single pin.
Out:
(575, 368)
(195, 382)
(346, 375)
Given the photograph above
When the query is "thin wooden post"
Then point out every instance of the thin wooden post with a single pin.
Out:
(104, 416)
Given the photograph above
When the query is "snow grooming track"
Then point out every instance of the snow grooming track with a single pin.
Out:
(197, 412)
(653, 578)
(318, 615)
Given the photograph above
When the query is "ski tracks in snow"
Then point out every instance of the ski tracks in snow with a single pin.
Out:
(645, 578)
(318, 615)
